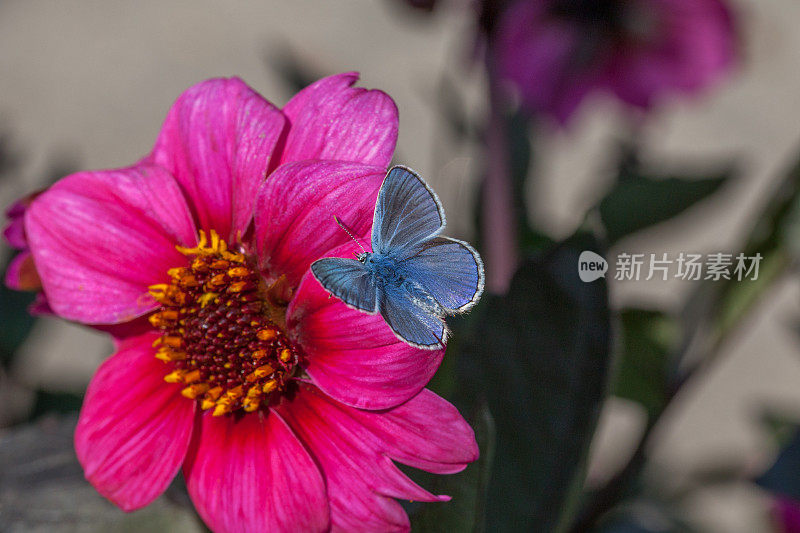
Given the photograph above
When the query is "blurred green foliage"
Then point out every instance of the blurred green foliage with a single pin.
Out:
(468, 489)
(647, 343)
(539, 358)
(17, 322)
(783, 477)
(639, 200)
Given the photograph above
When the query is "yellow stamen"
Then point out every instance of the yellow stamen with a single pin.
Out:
(260, 372)
(231, 395)
(198, 265)
(206, 404)
(168, 340)
(216, 282)
(158, 290)
(188, 281)
(214, 393)
(269, 386)
(176, 376)
(221, 409)
(166, 354)
(253, 400)
(251, 404)
(193, 391)
(169, 314)
(206, 298)
(191, 377)
(286, 354)
(238, 272)
(177, 272)
(216, 244)
(219, 264)
(266, 334)
(237, 286)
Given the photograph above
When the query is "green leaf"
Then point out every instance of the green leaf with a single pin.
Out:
(717, 308)
(17, 322)
(466, 510)
(775, 238)
(520, 162)
(779, 424)
(539, 357)
(49, 403)
(638, 200)
(444, 382)
(643, 362)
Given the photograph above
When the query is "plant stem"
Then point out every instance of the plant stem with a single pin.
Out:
(499, 225)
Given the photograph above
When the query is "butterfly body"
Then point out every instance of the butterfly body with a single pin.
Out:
(413, 277)
(384, 269)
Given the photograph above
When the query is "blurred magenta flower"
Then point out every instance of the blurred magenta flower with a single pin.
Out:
(786, 515)
(21, 274)
(558, 51)
(284, 407)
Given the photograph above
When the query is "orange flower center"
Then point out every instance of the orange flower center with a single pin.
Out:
(222, 330)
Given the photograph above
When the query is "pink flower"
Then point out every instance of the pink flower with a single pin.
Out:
(558, 51)
(284, 407)
(21, 273)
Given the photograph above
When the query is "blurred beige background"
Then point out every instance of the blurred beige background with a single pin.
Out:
(91, 80)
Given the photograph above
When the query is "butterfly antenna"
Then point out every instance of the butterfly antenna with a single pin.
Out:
(341, 225)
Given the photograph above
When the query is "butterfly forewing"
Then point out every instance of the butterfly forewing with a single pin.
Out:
(347, 279)
(449, 270)
(407, 212)
(412, 323)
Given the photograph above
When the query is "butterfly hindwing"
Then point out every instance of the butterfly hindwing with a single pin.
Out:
(349, 280)
(411, 322)
(451, 271)
(407, 212)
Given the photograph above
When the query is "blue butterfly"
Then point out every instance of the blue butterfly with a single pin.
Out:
(413, 277)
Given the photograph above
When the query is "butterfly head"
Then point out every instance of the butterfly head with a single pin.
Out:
(362, 257)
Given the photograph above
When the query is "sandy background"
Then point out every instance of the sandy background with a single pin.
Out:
(91, 81)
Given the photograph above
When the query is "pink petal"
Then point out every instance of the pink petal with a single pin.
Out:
(331, 120)
(352, 356)
(425, 432)
(295, 211)
(14, 232)
(217, 140)
(40, 306)
(253, 474)
(786, 515)
(99, 239)
(134, 429)
(354, 449)
(21, 274)
(124, 330)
